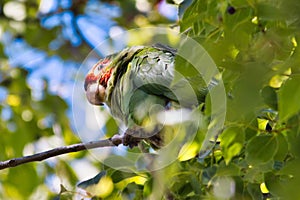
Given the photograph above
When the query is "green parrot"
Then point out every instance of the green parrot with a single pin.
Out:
(137, 84)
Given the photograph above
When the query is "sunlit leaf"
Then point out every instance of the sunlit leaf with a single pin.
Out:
(188, 151)
(101, 185)
(264, 188)
(232, 142)
(147, 188)
(138, 180)
(103, 189)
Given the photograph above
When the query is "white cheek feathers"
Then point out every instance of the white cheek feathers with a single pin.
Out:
(95, 94)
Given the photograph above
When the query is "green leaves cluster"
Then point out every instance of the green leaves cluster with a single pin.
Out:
(255, 46)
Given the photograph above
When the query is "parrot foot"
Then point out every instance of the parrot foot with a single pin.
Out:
(130, 138)
(133, 136)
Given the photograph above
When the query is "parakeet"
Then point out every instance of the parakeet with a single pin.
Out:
(137, 84)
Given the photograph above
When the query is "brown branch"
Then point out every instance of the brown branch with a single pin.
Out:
(114, 141)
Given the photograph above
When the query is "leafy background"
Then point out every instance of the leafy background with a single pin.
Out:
(255, 46)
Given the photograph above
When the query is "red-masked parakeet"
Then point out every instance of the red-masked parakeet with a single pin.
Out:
(137, 84)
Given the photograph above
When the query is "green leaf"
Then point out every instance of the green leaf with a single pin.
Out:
(238, 27)
(192, 14)
(148, 188)
(229, 170)
(292, 135)
(111, 127)
(117, 176)
(183, 6)
(261, 149)
(274, 183)
(270, 97)
(286, 182)
(283, 148)
(251, 132)
(254, 191)
(270, 11)
(232, 141)
(289, 95)
(246, 100)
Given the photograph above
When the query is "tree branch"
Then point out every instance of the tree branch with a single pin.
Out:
(114, 141)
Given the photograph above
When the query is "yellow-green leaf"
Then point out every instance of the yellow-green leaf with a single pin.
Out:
(232, 141)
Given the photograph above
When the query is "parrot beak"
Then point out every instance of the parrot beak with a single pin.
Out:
(95, 94)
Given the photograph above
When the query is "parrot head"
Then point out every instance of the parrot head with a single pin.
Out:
(96, 81)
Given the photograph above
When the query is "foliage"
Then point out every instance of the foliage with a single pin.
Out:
(254, 44)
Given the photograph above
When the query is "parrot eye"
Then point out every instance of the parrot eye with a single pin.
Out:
(98, 67)
(97, 70)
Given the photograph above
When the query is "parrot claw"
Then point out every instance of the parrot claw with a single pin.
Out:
(131, 138)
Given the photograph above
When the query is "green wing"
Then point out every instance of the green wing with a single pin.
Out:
(144, 78)
(153, 72)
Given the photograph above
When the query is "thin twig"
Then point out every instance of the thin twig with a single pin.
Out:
(114, 141)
